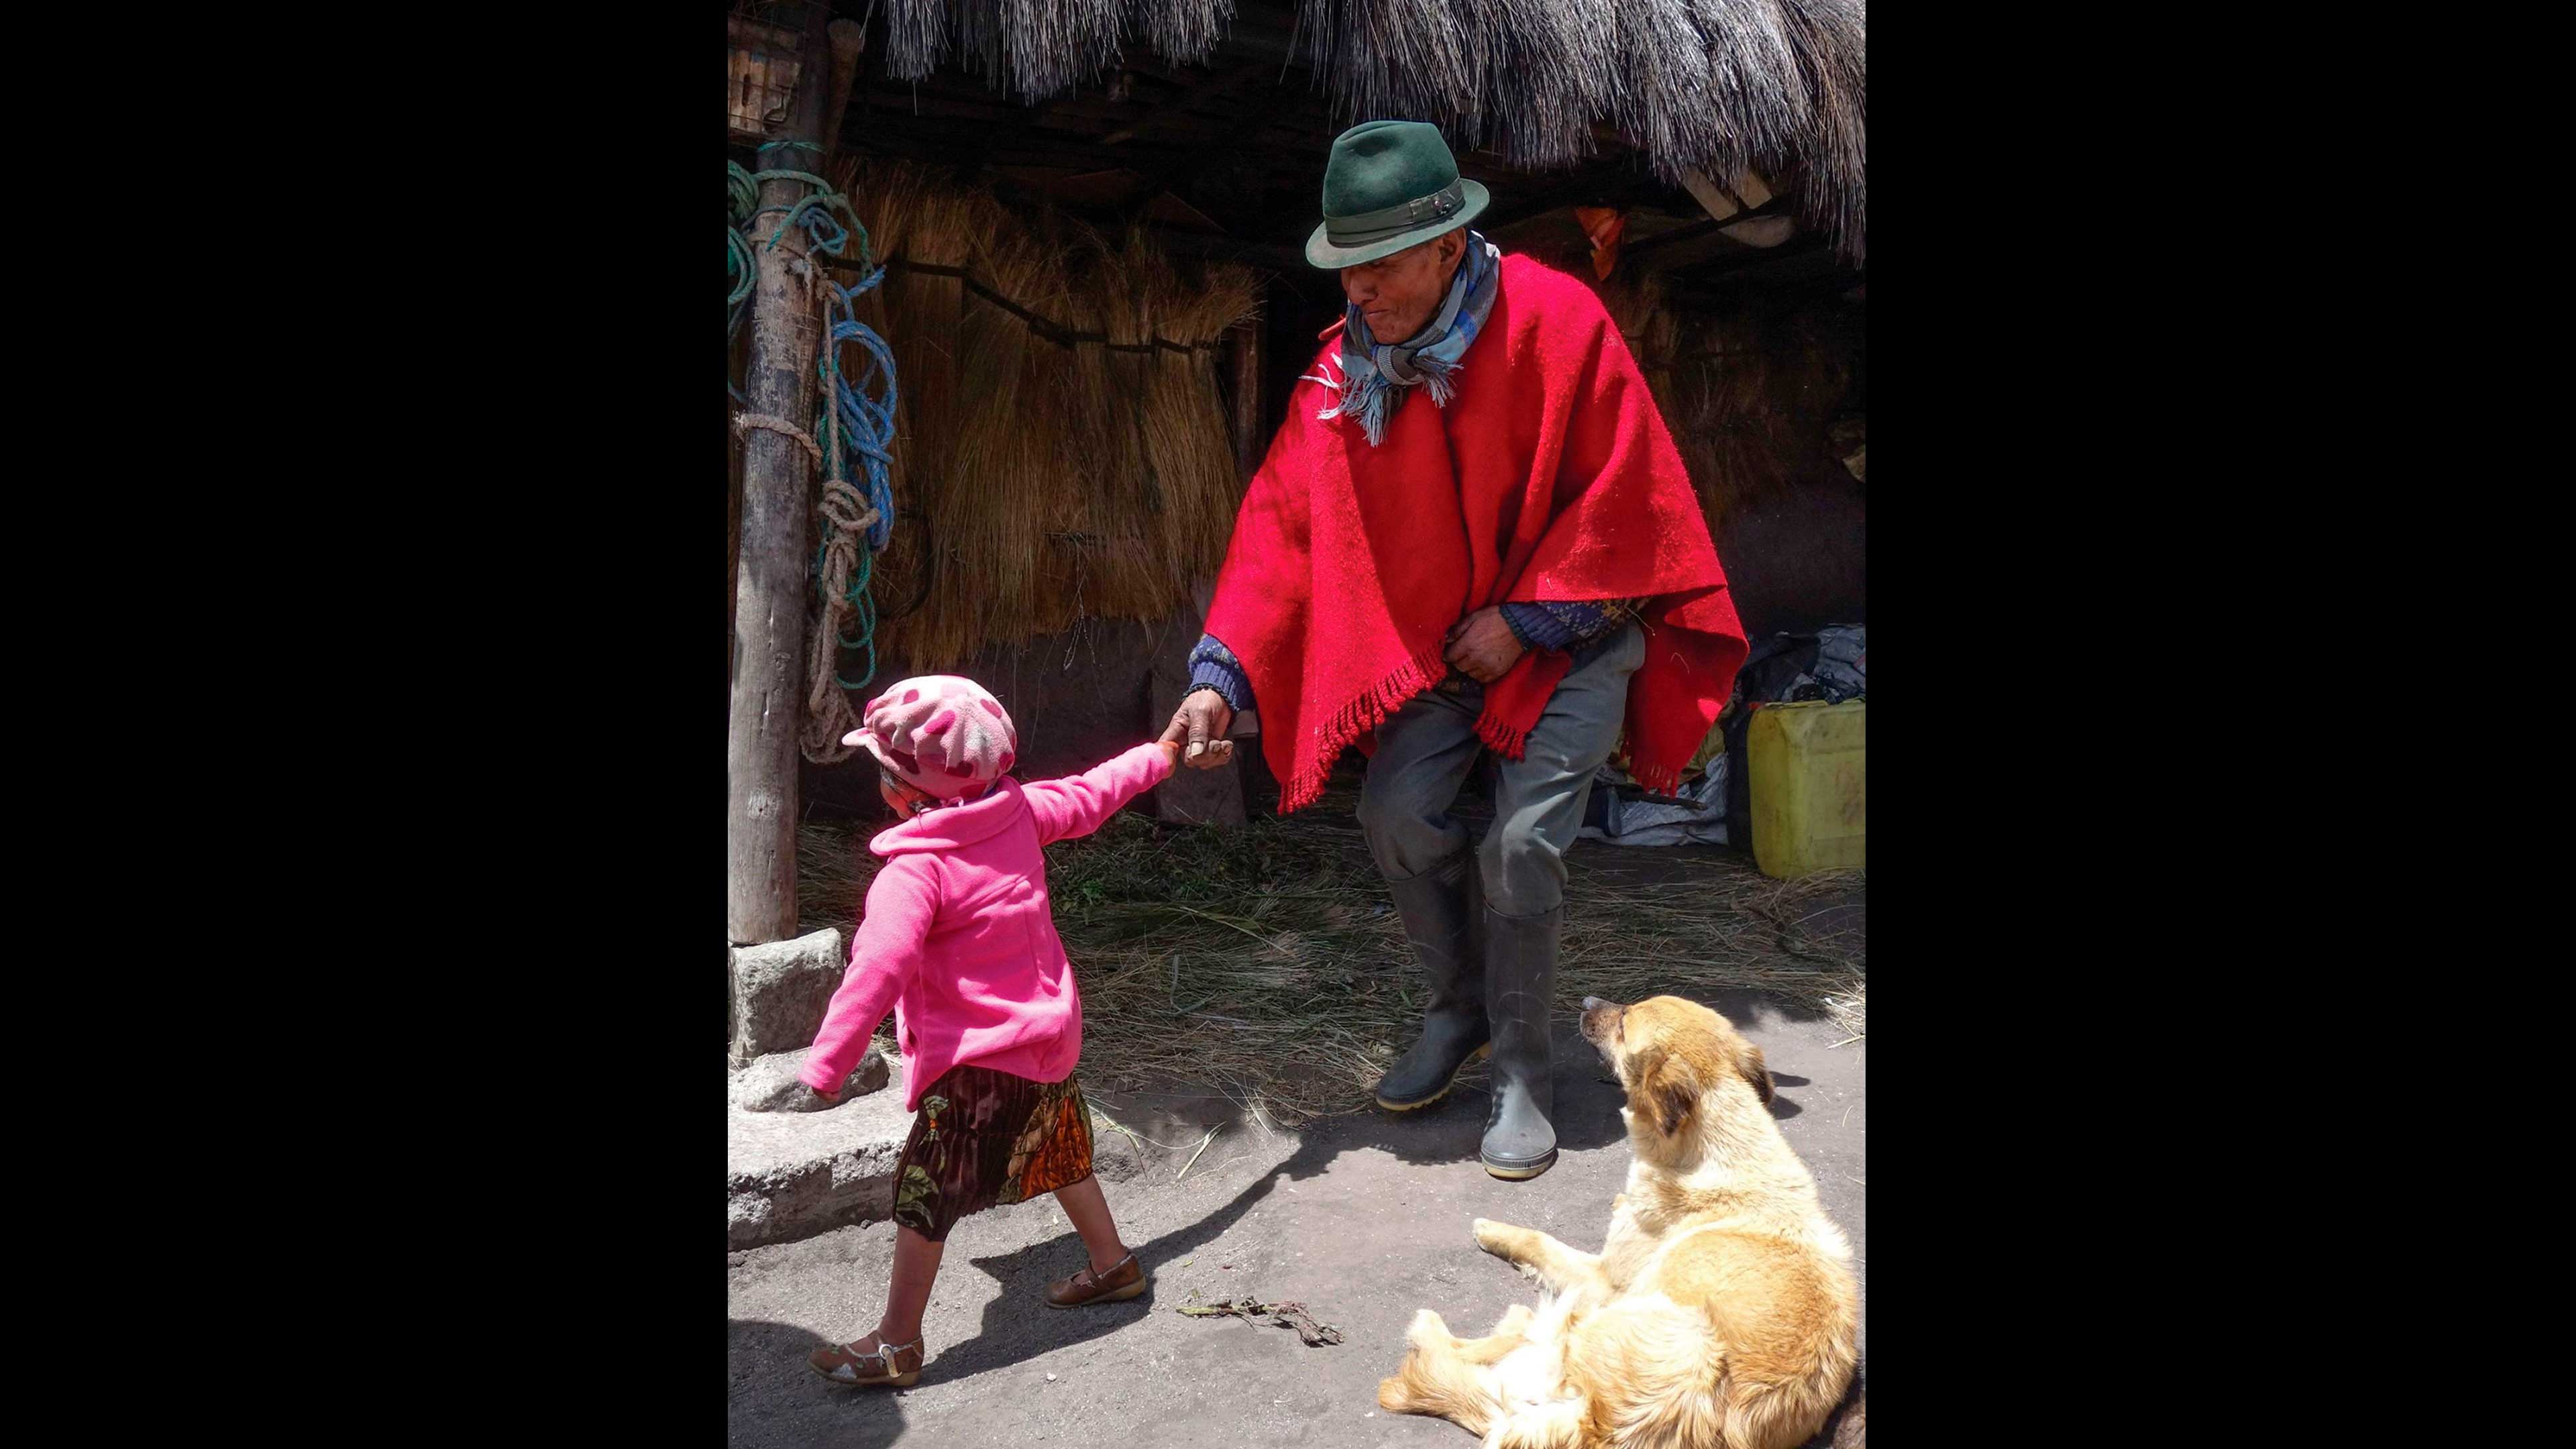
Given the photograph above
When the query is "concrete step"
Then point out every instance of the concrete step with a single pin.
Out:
(791, 1175)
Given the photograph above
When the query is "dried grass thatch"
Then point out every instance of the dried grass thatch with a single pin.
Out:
(1061, 449)
(1776, 87)
(1268, 962)
(1036, 48)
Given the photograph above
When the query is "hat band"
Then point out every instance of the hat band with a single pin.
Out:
(1377, 226)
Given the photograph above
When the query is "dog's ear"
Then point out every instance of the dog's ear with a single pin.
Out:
(1750, 1063)
(1666, 1090)
(1674, 1102)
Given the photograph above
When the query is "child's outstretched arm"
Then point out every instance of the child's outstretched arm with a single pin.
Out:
(1076, 805)
(884, 953)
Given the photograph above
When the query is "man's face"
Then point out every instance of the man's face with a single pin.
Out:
(1399, 295)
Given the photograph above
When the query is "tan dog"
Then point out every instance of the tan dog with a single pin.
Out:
(1720, 1314)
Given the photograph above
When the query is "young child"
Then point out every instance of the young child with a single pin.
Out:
(960, 941)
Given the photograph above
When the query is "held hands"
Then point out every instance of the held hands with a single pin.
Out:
(1197, 731)
(1481, 646)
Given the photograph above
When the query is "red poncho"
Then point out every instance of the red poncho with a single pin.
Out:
(1550, 476)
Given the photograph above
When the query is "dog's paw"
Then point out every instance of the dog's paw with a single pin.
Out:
(1496, 1238)
(1429, 1331)
(1390, 1397)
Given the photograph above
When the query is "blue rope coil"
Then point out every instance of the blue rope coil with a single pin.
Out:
(854, 425)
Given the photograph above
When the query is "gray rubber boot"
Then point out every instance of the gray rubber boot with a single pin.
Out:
(1520, 985)
(1439, 909)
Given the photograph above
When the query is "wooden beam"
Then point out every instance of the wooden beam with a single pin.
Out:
(1243, 344)
(1688, 231)
(1227, 249)
(849, 42)
(1583, 185)
(1241, 129)
(958, 145)
(1252, 37)
(1009, 134)
(1704, 227)
(1215, 83)
(1720, 202)
(1807, 256)
(767, 705)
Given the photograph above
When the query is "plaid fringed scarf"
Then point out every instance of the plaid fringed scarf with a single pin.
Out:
(1373, 370)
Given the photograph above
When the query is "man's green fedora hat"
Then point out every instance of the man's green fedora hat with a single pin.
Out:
(1388, 186)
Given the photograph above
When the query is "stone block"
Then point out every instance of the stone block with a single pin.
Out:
(780, 991)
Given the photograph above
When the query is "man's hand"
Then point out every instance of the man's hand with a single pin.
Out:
(1199, 729)
(1482, 646)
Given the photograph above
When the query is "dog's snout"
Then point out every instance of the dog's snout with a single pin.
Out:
(1598, 1021)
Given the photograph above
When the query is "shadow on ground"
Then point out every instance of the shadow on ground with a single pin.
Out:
(1586, 1116)
(765, 1363)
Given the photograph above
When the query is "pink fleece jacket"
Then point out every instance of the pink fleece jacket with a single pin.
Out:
(959, 938)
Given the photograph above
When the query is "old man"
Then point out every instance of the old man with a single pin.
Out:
(1472, 533)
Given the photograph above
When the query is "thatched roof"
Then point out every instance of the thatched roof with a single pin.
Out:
(1723, 87)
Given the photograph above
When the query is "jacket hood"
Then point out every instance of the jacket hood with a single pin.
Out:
(952, 826)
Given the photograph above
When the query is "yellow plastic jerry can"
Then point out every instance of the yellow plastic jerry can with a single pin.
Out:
(1807, 766)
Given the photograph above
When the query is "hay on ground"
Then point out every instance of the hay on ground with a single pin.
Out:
(1268, 962)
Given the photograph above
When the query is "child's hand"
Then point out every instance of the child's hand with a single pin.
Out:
(792, 1096)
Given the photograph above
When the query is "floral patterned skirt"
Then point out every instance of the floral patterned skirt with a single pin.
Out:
(983, 1138)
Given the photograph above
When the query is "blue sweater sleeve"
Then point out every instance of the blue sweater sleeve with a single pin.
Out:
(1563, 626)
(1213, 666)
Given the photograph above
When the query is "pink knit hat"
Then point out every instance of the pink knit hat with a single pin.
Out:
(940, 734)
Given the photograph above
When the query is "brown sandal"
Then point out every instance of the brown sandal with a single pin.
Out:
(847, 1365)
(1124, 1280)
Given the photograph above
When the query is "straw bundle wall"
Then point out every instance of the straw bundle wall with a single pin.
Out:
(927, 222)
(1756, 392)
(1115, 380)
(1186, 432)
(1062, 449)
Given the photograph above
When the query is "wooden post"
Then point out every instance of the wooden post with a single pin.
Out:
(1250, 442)
(770, 587)
(848, 38)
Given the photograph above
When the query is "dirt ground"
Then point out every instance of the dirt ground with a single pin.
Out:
(1363, 1218)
